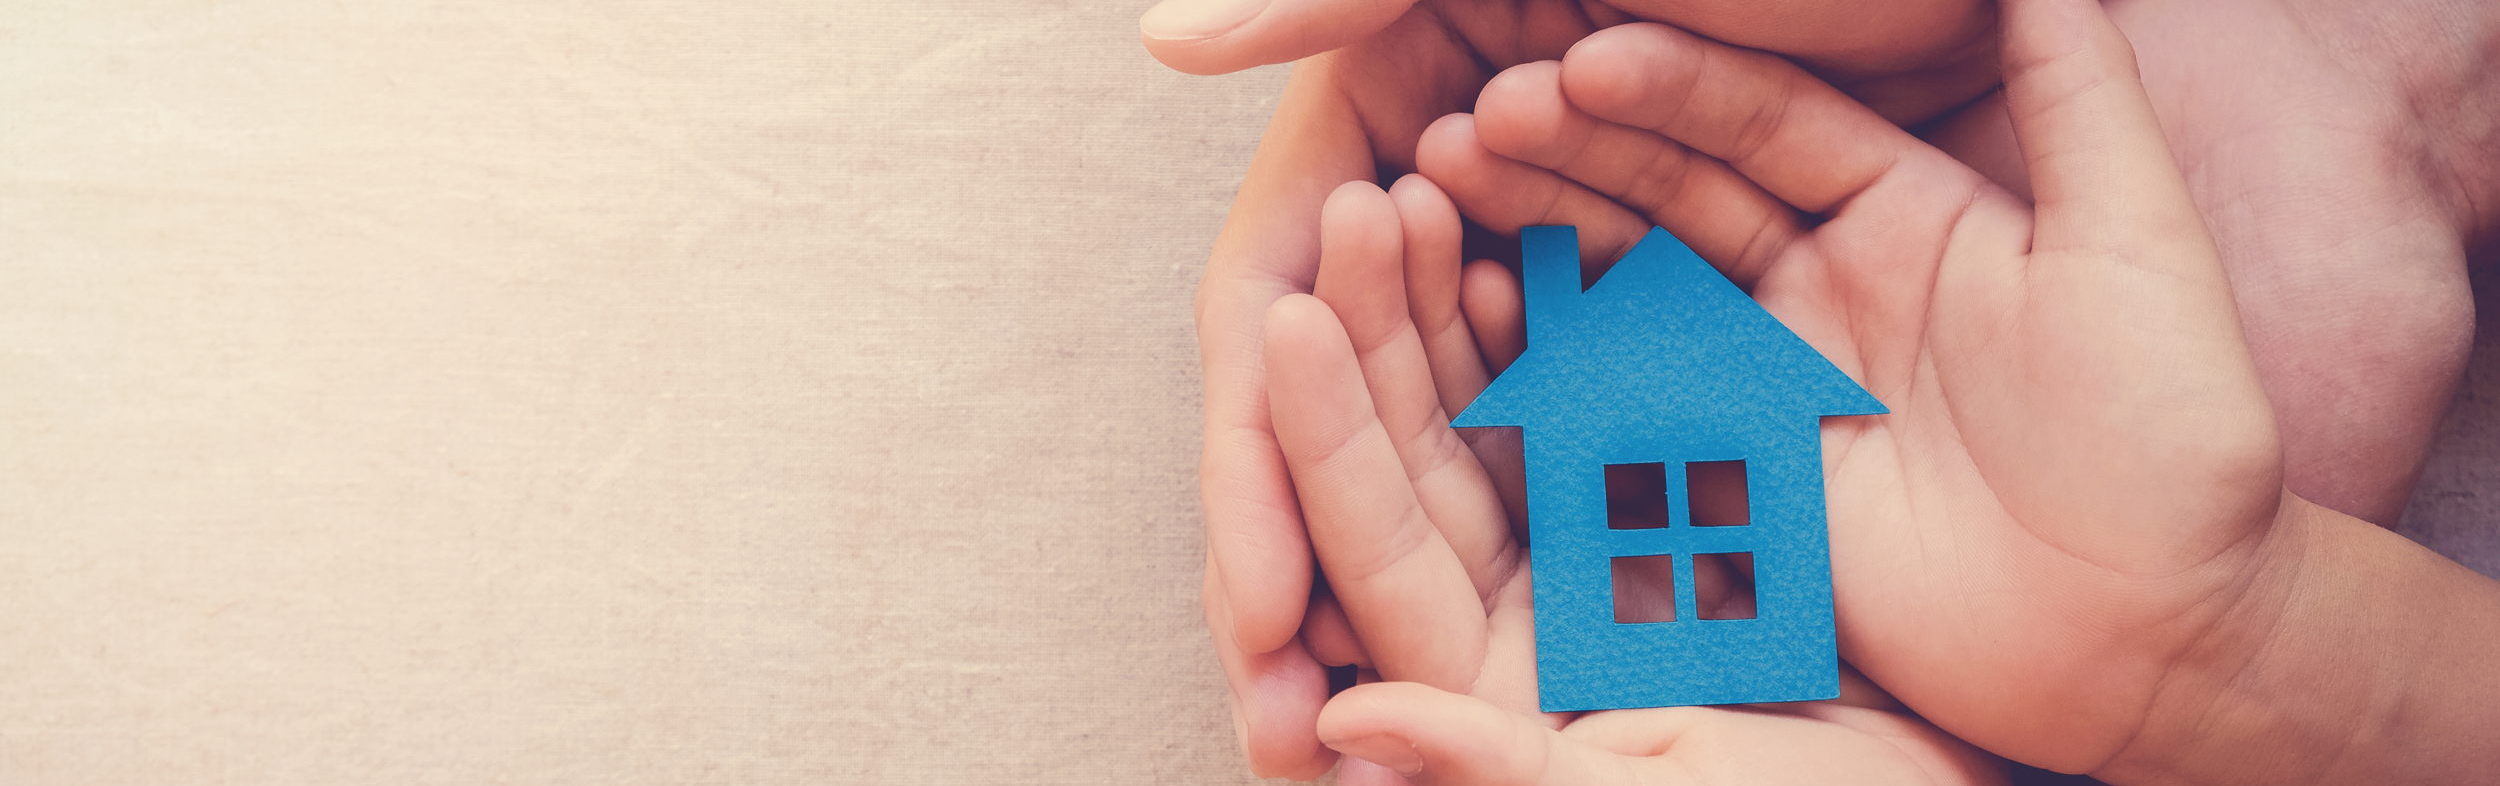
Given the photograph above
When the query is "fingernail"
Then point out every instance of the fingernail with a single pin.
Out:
(1384, 750)
(1192, 19)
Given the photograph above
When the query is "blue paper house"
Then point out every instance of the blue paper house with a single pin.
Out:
(1665, 370)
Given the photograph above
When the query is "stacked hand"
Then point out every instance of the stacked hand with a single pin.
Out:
(1385, 70)
(2079, 474)
(2070, 541)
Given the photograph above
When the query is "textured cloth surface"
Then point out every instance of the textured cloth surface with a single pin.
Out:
(658, 392)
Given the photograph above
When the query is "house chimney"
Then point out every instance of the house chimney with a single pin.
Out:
(1549, 276)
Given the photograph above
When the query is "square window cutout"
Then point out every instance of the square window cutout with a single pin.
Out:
(1645, 588)
(1723, 586)
(1636, 496)
(1716, 490)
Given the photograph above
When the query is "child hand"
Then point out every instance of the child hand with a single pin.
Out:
(1433, 586)
(2079, 482)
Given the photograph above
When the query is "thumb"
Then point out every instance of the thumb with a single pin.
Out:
(2133, 371)
(2118, 242)
(1221, 36)
(1457, 740)
(2101, 173)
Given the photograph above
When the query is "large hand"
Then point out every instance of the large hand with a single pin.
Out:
(2080, 474)
(1910, 61)
(1356, 111)
(2340, 153)
(1435, 589)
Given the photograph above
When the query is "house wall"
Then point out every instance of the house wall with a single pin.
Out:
(1588, 661)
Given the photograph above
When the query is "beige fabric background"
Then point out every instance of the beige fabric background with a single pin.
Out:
(676, 391)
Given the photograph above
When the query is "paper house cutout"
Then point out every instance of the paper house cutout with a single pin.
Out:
(1663, 361)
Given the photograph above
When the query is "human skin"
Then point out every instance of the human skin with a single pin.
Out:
(2069, 543)
(2358, 334)
(2346, 188)
(2342, 153)
(1433, 583)
(1386, 69)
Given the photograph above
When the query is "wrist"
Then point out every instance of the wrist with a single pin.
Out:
(2355, 656)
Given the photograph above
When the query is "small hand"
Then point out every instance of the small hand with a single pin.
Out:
(1433, 585)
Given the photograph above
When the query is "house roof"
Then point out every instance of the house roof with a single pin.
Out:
(1662, 338)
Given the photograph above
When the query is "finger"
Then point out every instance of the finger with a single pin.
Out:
(1770, 121)
(1276, 698)
(1434, 243)
(1358, 772)
(1461, 741)
(1255, 537)
(1823, 733)
(1409, 597)
(1362, 279)
(1496, 312)
(2100, 170)
(1220, 36)
(1504, 195)
(1269, 247)
(1909, 32)
(1433, 261)
(1911, 99)
(1448, 339)
(1329, 636)
(1725, 218)
(1490, 301)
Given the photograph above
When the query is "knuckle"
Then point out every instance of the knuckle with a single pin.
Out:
(1763, 123)
(1662, 180)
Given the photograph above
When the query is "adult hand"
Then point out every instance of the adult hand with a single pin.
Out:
(2340, 152)
(1389, 68)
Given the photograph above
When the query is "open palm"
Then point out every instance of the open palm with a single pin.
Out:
(2080, 471)
(1385, 70)
(1430, 586)
(2336, 157)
